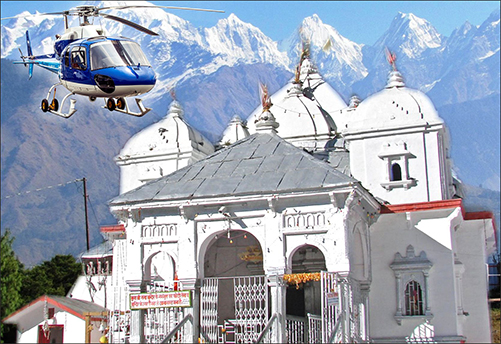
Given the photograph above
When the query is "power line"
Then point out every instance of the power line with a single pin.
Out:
(42, 189)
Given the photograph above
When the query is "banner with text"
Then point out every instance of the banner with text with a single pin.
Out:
(160, 300)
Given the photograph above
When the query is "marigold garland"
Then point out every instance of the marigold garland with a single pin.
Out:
(300, 278)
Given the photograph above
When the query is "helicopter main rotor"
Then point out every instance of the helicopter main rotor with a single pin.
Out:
(86, 11)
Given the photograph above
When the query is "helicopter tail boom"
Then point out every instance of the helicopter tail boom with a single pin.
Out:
(31, 60)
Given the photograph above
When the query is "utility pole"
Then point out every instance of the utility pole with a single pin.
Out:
(86, 212)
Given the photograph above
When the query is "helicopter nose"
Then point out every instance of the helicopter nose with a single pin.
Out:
(127, 81)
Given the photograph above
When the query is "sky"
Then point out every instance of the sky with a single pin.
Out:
(362, 22)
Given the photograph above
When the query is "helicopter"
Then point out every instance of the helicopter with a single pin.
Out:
(90, 63)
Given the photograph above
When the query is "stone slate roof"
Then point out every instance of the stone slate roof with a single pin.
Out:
(260, 163)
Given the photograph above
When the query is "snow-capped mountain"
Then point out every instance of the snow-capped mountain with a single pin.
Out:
(412, 35)
(339, 59)
(216, 72)
(242, 42)
(42, 28)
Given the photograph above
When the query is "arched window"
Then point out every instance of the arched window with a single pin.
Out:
(413, 299)
(396, 172)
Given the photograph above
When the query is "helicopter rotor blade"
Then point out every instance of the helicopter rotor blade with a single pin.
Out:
(129, 23)
(167, 7)
(38, 14)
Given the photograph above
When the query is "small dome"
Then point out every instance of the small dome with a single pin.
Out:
(171, 133)
(394, 106)
(236, 130)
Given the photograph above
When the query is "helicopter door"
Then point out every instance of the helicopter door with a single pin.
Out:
(79, 58)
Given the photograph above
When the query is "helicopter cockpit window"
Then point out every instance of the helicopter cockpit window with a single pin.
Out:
(134, 54)
(108, 54)
(78, 59)
(67, 57)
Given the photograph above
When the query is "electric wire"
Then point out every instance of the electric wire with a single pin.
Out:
(41, 189)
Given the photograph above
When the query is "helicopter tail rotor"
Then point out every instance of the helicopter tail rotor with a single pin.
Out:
(22, 56)
(30, 53)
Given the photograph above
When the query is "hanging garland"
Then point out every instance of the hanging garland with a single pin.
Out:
(300, 278)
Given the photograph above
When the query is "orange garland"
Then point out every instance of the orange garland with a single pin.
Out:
(297, 279)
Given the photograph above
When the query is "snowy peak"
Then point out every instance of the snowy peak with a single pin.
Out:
(242, 42)
(337, 58)
(14, 33)
(473, 43)
(411, 35)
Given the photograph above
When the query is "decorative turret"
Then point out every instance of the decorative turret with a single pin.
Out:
(354, 101)
(395, 79)
(236, 130)
(265, 121)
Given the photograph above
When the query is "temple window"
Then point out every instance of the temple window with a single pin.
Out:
(396, 172)
(411, 277)
(396, 166)
(413, 299)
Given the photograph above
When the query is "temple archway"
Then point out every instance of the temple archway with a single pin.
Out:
(160, 270)
(234, 289)
(303, 294)
(233, 253)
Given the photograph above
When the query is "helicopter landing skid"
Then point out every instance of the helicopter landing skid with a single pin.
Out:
(125, 107)
(54, 107)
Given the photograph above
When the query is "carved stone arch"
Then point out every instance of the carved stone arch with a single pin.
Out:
(290, 257)
(250, 245)
(147, 263)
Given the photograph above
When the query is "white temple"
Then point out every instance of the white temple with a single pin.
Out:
(313, 221)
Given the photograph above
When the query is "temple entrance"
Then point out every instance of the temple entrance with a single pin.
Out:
(304, 296)
(234, 293)
(160, 270)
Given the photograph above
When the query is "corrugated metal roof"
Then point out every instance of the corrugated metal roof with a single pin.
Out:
(101, 250)
(260, 163)
(79, 306)
(32, 313)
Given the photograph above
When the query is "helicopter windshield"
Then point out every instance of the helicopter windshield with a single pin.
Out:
(116, 54)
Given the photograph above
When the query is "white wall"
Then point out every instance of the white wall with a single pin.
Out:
(471, 245)
(425, 167)
(394, 233)
(74, 329)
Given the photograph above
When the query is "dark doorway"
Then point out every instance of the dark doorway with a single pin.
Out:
(295, 301)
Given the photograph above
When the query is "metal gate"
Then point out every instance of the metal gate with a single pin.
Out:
(250, 309)
(343, 310)
(209, 292)
(159, 322)
(331, 298)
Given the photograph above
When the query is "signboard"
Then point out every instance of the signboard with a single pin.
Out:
(332, 299)
(160, 300)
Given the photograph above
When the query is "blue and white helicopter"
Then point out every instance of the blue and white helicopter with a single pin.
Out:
(89, 63)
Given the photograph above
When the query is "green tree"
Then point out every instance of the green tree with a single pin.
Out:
(54, 277)
(11, 279)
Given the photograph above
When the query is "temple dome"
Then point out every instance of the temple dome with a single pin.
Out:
(394, 106)
(167, 135)
(302, 109)
(160, 149)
